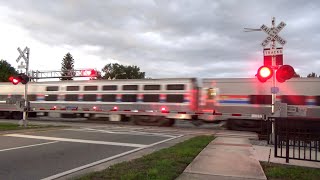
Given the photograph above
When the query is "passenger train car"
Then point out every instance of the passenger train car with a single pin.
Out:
(161, 101)
(249, 98)
(252, 97)
(94, 97)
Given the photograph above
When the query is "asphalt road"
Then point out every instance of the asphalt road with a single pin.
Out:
(55, 153)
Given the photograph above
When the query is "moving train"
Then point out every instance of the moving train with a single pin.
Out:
(242, 101)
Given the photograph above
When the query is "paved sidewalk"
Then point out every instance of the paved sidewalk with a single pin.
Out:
(225, 158)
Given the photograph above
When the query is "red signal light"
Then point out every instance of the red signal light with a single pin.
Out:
(15, 80)
(284, 73)
(264, 73)
(88, 72)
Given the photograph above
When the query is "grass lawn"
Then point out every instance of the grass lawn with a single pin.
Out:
(288, 172)
(16, 126)
(167, 163)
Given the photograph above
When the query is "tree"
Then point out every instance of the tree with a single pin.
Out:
(312, 75)
(66, 66)
(118, 71)
(133, 72)
(6, 70)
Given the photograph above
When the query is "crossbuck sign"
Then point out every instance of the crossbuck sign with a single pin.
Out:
(22, 54)
(273, 34)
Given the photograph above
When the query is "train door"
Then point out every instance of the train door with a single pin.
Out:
(209, 98)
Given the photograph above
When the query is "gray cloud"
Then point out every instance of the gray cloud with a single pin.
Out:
(176, 38)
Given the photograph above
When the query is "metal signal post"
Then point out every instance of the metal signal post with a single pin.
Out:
(274, 68)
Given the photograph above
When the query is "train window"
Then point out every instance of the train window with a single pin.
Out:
(16, 97)
(71, 97)
(3, 97)
(50, 97)
(130, 87)
(32, 97)
(52, 88)
(73, 88)
(175, 98)
(175, 87)
(293, 99)
(108, 98)
(89, 97)
(129, 98)
(260, 99)
(109, 88)
(317, 100)
(151, 98)
(151, 87)
(90, 88)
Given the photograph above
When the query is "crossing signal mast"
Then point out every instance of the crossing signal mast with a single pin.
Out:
(273, 68)
(35, 75)
(24, 78)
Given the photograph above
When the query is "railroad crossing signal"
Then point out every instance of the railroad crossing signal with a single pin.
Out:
(273, 34)
(24, 79)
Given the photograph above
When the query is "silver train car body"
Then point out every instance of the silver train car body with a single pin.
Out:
(173, 98)
(103, 96)
(249, 96)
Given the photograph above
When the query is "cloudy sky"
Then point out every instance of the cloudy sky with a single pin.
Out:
(165, 38)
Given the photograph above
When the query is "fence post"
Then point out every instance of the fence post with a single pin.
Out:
(287, 141)
(275, 137)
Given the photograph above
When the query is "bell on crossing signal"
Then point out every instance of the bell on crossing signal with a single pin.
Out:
(284, 73)
(15, 79)
(264, 73)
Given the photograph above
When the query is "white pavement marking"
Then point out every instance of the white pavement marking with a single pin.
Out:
(164, 141)
(76, 140)
(21, 147)
(104, 160)
(119, 132)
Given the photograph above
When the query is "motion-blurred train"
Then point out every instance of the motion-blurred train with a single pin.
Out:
(162, 101)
